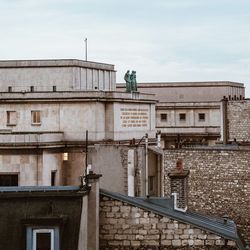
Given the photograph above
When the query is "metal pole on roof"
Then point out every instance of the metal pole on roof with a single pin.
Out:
(86, 48)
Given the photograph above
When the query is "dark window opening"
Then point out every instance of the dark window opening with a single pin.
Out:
(201, 117)
(8, 180)
(164, 117)
(53, 178)
(31, 88)
(182, 117)
(43, 241)
(54, 88)
(9, 89)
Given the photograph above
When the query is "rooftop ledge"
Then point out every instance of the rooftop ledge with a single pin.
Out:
(77, 96)
(55, 63)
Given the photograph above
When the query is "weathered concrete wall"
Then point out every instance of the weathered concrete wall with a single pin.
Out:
(112, 162)
(123, 226)
(66, 75)
(191, 91)
(32, 169)
(238, 116)
(218, 182)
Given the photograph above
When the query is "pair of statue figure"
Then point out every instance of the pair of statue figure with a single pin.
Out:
(130, 79)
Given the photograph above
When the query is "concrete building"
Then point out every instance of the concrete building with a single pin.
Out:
(189, 113)
(46, 108)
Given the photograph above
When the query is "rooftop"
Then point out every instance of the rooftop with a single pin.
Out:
(185, 84)
(54, 63)
(165, 207)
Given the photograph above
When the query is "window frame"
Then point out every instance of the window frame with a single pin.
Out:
(43, 230)
(34, 120)
(9, 121)
(31, 236)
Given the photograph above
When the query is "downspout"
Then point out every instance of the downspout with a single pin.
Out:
(146, 164)
(224, 121)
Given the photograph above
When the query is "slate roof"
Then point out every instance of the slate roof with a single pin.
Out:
(165, 207)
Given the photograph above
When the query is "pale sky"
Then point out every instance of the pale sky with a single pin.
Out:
(163, 40)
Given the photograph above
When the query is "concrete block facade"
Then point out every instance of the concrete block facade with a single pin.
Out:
(218, 182)
(123, 226)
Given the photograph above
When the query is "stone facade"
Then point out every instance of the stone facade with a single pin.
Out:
(238, 117)
(218, 182)
(123, 226)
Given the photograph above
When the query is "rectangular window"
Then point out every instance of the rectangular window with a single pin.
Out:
(11, 118)
(182, 117)
(164, 117)
(53, 178)
(45, 238)
(201, 117)
(36, 117)
(8, 180)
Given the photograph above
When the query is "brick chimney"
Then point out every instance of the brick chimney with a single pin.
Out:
(179, 186)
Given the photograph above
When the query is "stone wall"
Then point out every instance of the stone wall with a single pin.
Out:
(238, 116)
(123, 226)
(218, 182)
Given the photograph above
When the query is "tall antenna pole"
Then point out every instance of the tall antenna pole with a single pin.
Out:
(86, 49)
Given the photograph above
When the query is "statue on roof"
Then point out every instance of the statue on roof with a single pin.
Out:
(130, 79)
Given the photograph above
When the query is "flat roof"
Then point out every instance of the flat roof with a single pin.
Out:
(55, 63)
(184, 84)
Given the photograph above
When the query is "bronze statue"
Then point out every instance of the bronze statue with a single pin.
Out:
(130, 79)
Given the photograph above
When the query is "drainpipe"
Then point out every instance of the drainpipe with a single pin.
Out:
(224, 126)
(146, 164)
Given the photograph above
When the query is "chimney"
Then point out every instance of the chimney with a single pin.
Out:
(179, 186)
(93, 181)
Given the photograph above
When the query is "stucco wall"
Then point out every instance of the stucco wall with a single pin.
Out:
(238, 116)
(218, 183)
(123, 226)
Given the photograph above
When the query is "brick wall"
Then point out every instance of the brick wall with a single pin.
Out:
(238, 115)
(219, 182)
(123, 226)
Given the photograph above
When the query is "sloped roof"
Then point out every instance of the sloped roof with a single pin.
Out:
(165, 207)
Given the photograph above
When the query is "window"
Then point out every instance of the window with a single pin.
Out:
(182, 117)
(36, 117)
(201, 117)
(53, 178)
(11, 118)
(164, 117)
(42, 238)
(8, 180)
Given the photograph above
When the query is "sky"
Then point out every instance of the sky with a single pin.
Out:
(163, 40)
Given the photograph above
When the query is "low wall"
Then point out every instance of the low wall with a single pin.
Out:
(218, 183)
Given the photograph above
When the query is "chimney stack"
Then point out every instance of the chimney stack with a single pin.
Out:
(179, 186)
